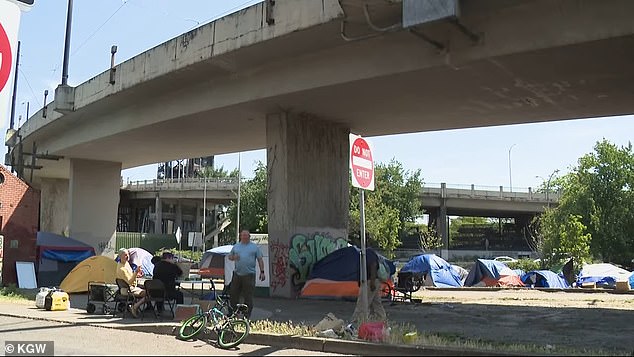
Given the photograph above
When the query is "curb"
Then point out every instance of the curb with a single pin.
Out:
(318, 344)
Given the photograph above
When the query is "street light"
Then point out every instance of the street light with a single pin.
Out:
(510, 177)
(548, 186)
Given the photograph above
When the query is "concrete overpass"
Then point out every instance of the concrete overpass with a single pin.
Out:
(296, 76)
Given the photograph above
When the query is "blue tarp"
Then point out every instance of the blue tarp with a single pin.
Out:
(632, 281)
(544, 279)
(484, 268)
(603, 274)
(66, 255)
(441, 272)
(343, 265)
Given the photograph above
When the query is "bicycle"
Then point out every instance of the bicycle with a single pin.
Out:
(231, 327)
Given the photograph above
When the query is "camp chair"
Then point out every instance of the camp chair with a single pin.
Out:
(155, 293)
(123, 297)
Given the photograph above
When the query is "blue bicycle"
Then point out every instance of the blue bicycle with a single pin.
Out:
(231, 327)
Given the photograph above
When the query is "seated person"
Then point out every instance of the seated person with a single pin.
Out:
(167, 271)
(125, 272)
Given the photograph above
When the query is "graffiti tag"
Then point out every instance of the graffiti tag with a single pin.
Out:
(279, 264)
(306, 251)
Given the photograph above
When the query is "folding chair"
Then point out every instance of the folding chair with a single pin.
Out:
(123, 297)
(155, 293)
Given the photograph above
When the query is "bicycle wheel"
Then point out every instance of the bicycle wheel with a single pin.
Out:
(233, 333)
(192, 326)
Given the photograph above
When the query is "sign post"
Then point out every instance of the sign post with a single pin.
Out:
(362, 168)
(9, 26)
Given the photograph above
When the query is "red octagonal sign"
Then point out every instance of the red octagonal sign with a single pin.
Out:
(361, 163)
(5, 51)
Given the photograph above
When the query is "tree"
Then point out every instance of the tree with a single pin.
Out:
(212, 172)
(564, 237)
(253, 195)
(394, 202)
(599, 192)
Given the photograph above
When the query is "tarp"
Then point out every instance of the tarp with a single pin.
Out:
(544, 279)
(441, 273)
(57, 256)
(337, 275)
(492, 273)
(603, 274)
(94, 269)
(212, 264)
(631, 281)
(140, 256)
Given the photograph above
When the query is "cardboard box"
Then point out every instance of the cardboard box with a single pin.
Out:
(183, 312)
(622, 286)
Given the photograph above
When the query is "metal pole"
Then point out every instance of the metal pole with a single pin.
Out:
(15, 87)
(510, 176)
(69, 20)
(204, 212)
(238, 218)
(364, 269)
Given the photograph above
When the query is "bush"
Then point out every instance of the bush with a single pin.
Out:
(525, 265)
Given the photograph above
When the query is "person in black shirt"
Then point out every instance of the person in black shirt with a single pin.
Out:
(167, 271)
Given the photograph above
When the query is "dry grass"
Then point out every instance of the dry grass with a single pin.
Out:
(15, 295)
(397, 332)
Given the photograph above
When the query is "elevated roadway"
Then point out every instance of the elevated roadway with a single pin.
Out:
(298, 76)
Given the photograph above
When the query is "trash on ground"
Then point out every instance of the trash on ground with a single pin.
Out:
(330, 321)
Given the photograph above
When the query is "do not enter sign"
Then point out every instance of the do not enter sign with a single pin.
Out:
(361, 163)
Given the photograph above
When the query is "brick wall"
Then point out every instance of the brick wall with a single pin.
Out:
(19, 217)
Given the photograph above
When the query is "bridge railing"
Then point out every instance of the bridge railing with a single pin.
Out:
(445, 190)
(182, 184)
(442, 190)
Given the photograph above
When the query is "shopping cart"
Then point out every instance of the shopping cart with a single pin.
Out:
(103, 295)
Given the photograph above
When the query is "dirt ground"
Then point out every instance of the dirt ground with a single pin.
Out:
(598, 321)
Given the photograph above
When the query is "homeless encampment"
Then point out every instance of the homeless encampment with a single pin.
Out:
(438, 272)
(545, 279)
(212, 264)
(486, 272)
(604, 275)
(336, 276)
(57, 256)
(94, 269)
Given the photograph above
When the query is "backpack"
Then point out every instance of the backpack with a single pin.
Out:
(384, 273)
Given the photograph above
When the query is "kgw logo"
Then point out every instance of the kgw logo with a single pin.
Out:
(24, 348)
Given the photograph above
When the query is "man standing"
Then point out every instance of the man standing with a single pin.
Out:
(167, 271)
(373, 292)
(244, 254)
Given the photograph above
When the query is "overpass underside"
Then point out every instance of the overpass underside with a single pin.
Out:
(299, 84)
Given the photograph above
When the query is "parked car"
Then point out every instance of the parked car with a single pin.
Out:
(505, 259)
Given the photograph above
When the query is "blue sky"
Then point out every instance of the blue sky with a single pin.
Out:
(477, 156)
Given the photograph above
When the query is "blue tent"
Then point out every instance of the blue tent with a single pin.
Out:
(603, 274)
(57, 256)
(492, 273)
(631, 280)
(544, 279)
(337, 274)
(441, 272)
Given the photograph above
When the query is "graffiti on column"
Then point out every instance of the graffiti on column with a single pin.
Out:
(305, 251)
(279, 252)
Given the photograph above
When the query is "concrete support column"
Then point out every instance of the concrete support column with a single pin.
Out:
(443, 229)
(308, 196)
(179, 215)
(94, 202)
(54, 216)
(158, 215)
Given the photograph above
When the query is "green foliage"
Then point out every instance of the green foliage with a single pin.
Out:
(394, 202)
(195, 256)
(253, 211)
(598, 196)
(429, 239)
(220, 172)
(13, 293)
(524, 264)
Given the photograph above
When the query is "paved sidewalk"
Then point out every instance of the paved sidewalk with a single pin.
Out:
(309, 312)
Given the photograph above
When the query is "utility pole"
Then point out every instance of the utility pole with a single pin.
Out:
(510, 176)
(69, 20)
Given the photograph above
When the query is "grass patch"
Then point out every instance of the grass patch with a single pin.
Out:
(398, 331)
(13, 294)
